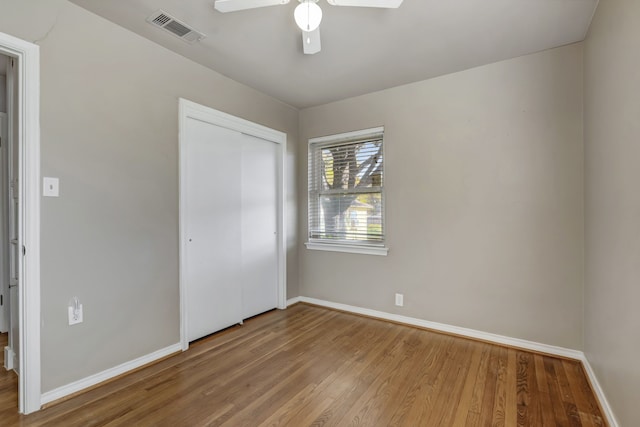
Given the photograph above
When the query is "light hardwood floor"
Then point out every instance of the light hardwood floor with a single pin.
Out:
(309, 366)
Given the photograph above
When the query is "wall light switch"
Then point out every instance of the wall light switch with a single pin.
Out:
(50, 187)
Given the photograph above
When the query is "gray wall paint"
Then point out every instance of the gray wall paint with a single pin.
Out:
(612, 208)
(484, 181)
(110, 132)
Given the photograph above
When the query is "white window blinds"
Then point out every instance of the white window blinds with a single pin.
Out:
(346, 197)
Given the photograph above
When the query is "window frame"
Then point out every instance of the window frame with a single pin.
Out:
(346, 246)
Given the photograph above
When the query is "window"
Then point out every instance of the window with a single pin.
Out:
(346, 192)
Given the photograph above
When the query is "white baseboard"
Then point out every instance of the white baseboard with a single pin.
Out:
(484, 336)
(292, 301)
(456, 330)
(92, 380)
(604, 403)
(9, 358)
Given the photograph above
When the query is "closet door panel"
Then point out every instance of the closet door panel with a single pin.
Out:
(259, 226)
(214, 222)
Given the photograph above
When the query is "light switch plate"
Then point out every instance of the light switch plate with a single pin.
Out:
(50, 187)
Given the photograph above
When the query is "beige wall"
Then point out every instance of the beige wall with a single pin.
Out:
(612, 208)
(484, 185)
(110, 133)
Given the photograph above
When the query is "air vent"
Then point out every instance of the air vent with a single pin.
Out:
(179, 29)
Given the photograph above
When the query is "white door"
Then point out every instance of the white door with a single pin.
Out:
(15, 258)
(16, 251)
(230, 229)
(259, 225)
(4, 227)
(213, 257)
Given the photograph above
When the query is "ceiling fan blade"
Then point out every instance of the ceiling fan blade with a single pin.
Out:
(387, 4)
(311, 41)
(235, 5)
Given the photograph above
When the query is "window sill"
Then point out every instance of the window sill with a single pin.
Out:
(353, 249)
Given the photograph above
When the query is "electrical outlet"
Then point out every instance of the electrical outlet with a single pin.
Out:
(400, 300)
(75, 314)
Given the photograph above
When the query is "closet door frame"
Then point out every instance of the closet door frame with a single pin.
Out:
(189, 110)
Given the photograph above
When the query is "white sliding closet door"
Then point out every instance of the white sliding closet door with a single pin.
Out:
(259, 240)
(231, 247)
(214, 253)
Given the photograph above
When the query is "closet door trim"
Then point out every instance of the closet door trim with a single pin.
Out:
(189, 110)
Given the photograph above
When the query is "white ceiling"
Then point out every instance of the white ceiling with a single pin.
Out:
(363, 50)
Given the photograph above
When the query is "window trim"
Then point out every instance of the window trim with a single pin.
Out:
(352, 249)
(357, 247)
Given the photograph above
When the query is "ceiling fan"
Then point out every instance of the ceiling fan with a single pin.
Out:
(307, 14)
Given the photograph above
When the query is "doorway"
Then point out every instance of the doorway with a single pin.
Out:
(231, 220)
(9, 208)
(4, 249)
(23, 201)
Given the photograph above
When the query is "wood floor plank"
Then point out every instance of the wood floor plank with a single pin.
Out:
(453, 383)
(522, 384)
(462, 410)
(546, 405)
(429, 384)
(511, 409)
(477, 396)
(310, 366)
(413, 400)
(567, 395)
(348, 389)
(555, 393)
(586, 403)
(380, 372)
(534, 400)
(327, 388)
(500, 399)
(490, 387)
(390, 392)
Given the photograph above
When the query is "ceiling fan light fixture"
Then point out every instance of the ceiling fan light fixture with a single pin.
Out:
(308, 15)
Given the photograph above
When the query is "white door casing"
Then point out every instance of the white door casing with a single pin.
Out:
(246, 135)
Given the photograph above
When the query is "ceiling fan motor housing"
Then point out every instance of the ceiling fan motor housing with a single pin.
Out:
(308, 15)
